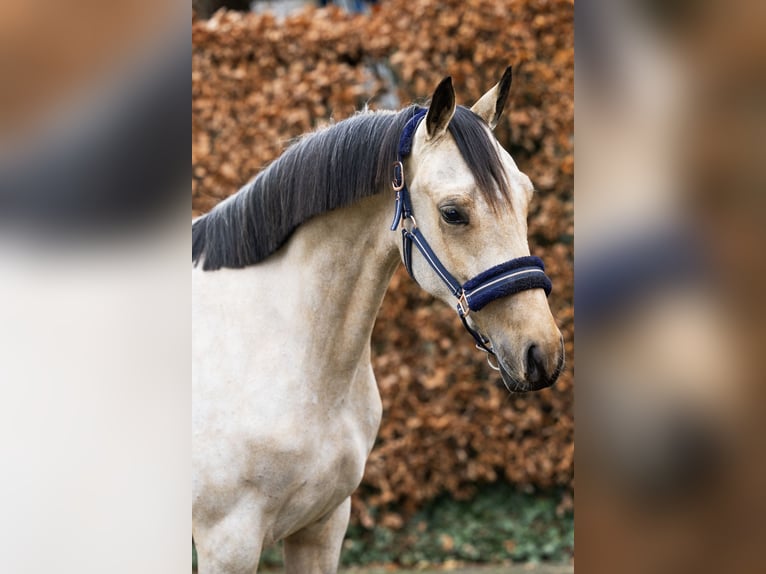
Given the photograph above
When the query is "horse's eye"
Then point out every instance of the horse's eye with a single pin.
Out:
(453, 215)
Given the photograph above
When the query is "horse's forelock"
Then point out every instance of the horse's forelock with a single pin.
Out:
(479, 150)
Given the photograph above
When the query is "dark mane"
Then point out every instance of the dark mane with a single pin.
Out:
(326, 170)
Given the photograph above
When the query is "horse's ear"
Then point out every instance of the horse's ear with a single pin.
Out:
(441, 110)
(490, 105)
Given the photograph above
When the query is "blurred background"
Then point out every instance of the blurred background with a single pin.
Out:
(462, 472)
(669, 284)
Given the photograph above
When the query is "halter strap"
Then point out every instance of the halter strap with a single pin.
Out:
(499, 281)
(506, 279)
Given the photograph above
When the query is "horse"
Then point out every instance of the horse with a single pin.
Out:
(288, 275)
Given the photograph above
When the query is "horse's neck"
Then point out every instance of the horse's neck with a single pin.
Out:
(345, 260)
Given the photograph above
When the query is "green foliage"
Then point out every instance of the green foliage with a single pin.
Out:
(271, 556)
(499, 523)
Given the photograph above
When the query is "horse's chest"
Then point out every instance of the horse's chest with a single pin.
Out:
(291, 456)
(336, 470)
(324, 470)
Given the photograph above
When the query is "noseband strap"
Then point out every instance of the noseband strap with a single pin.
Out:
(502, 280)
(506, 279)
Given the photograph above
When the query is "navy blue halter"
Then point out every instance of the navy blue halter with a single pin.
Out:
(499, 281)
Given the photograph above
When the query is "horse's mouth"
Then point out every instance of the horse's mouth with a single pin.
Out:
(533, 381)
(511, 383)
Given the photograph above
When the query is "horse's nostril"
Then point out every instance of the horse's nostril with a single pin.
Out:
(535, 369)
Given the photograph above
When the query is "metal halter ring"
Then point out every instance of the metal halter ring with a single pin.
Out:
(495, 367)
(412, 222)
(462, 305)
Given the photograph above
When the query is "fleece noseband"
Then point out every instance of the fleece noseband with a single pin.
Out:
(502, 280)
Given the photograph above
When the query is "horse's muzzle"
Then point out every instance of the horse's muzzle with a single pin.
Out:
(536, 375)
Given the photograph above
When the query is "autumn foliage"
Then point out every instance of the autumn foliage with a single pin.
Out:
(257, 83)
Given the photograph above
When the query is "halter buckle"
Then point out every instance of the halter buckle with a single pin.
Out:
(398, 182)
(462, 305)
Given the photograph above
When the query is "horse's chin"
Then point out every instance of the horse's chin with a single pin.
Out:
(511, 383)
(516, 385)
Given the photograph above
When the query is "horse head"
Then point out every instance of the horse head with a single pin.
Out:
(471, 203)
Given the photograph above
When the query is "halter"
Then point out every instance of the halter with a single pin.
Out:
(502, 280)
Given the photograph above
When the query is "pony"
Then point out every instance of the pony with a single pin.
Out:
(288, 275)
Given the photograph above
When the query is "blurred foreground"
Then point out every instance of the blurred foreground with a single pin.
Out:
(94, 288)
